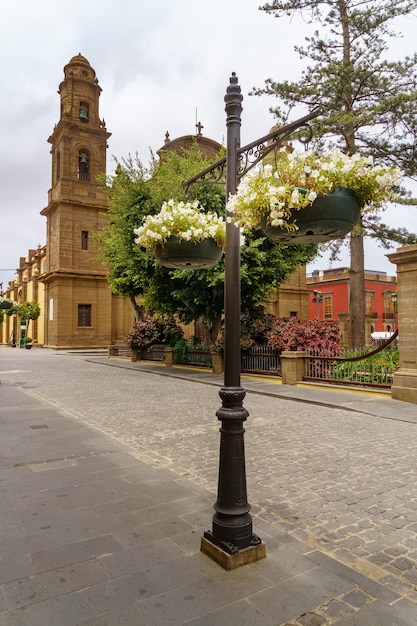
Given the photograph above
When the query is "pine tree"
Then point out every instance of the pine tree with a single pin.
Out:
(368, 101)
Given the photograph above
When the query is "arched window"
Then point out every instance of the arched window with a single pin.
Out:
(84, 166)
(58, 165)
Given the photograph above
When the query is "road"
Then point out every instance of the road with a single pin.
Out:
(342, 481)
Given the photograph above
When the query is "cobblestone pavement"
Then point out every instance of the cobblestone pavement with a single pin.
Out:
(340, 481)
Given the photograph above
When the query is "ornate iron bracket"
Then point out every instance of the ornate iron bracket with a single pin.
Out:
(254, 152)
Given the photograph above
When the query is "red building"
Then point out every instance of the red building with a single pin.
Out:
(329, 298)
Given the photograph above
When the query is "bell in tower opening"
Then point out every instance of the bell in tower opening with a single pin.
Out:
(83, 112)
(83, 166)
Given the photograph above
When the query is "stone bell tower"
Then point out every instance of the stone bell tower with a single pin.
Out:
(77, 298)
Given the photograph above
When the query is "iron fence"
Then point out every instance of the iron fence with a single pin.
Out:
(261, 360)
(195, 356)
(368, 369)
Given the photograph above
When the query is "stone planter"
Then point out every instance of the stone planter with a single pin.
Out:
(135, 355)
(169, 356)
(217, 362)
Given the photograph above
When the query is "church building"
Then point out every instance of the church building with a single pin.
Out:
(66, 276)
(80, 310)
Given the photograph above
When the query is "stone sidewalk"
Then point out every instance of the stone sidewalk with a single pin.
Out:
(105, 530)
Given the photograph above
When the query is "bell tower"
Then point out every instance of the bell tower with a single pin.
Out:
(77, 298)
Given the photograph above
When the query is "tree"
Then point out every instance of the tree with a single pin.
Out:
(199, 295)
(134, 192)
(368, 101)
(129, 200)
(191, 295)
(29, 310)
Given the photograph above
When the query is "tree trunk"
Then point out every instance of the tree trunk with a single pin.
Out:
(357, 256)
(137, 310)
(211, 333)
(356, 293)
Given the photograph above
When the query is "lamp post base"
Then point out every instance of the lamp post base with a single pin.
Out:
(229, 558)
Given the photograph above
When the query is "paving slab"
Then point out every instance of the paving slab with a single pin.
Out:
(103, 508)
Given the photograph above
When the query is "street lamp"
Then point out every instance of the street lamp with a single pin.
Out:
(231, 541)
(318, 297)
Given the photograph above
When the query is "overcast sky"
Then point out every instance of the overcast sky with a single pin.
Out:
(162, 66)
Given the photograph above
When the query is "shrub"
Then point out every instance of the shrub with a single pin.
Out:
(154, 329)
(254, 330)
(295, 334)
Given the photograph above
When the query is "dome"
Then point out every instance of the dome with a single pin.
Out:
(79, 67)
(79, 59)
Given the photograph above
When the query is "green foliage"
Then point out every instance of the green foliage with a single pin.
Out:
(129, 200)
(154, 329)
(378, 368)
(368, 100)
(254, 328)
(170, 172)
(180, 351)
(135, 192)
(29, 310)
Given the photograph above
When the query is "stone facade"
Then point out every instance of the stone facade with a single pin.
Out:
(291, 299)
(25, 286)
(80, 310)
(405, 379)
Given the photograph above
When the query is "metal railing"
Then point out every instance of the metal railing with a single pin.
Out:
(198, 357)
(368, 369)
(261, 360)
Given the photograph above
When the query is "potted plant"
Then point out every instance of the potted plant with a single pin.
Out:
(306, 198)
(5, 304)
(27, 341)
(183, 236)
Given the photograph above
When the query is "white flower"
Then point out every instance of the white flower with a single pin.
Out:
(187, 221)
(267, 189)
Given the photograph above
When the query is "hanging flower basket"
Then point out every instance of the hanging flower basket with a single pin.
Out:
(307, 198)
(177, 253)
(5, 304)
(183, 236)
(329, 217)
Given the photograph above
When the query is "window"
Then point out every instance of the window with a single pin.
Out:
(84, 240)
(58, 165)
(388, 306)
(369, 302)
(84, 315)
(328, 306)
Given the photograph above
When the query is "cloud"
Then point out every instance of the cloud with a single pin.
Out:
(160, 64)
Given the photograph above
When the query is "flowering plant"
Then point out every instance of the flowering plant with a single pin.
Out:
(153, 329)
(273, 193)
(186, 220)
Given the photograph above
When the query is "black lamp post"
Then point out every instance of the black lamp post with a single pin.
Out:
(318, 297)
(232, 522)
(231, 541)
